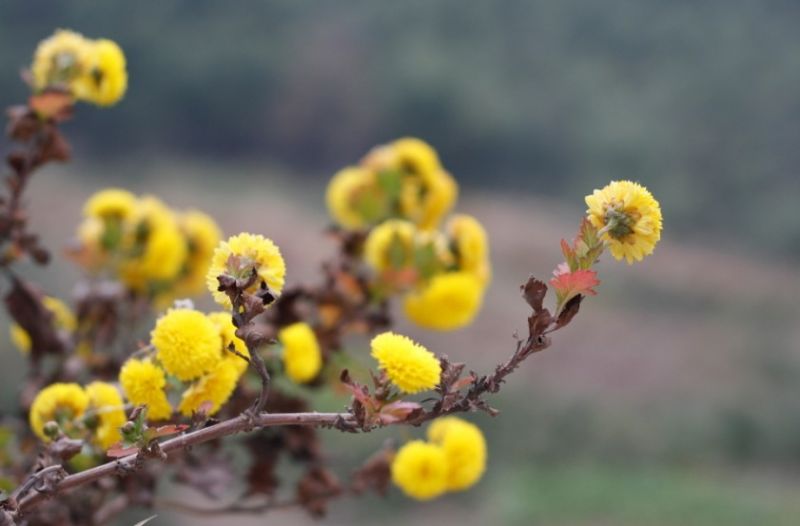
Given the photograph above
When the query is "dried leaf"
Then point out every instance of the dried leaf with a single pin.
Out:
(569, 311)
(534, 292)
(375, 474)
(316, 488)
(24, 303)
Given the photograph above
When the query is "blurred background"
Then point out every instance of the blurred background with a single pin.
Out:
(675, 398)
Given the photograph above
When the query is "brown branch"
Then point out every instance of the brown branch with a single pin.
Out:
(233, 426)
(243, 423)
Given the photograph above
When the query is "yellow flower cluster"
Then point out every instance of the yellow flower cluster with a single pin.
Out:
(238, 257)
(90, 70)
(403, 179)
(63, 320)
(191, 347)
(98, 410)
(444, 274)
(151, 248)
(628, 219)
(401, 193)
(409, 365)
(454, 459)
(302, 358)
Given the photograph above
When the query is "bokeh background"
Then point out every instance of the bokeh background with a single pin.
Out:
(675, 398)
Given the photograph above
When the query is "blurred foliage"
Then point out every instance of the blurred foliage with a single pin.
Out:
(698, 101)
(586, 494)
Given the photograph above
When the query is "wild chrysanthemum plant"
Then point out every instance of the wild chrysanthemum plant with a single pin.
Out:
(128, 373)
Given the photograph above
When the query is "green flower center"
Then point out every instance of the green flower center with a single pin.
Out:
(619, 222)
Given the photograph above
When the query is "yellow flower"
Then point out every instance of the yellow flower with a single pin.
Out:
(143, 383)
(628, 218)
(415, 156)
(202, 236)
(111, 203)
(63, 320)
(409, 365)
(465, 447)
(214, 389)
(420, 470)
(354, 199)
(449, 301)
(302, 359)
(390, 245)
(105, 79)
(61, 403)
(60, 60)
(106, 403)
(227, 331)
(238, 256)
(155, 246)
(187, 343)
(427, 191)
(438, 195)
(471, 246)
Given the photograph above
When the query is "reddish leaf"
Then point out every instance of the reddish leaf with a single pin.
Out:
(569, 284)
(397, 411)
(52, 104)
(119, 450)
(170, 429)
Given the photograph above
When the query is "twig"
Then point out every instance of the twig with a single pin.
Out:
(228, 427)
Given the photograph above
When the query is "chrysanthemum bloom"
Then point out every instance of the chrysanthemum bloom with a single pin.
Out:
(390, 245)
(110, 203)
(61, 403)
(143, 383)
(354, 198)
(105, 79)
(302, 359)
(427, 191)
(63, 320)
(212, 390)
(60, 60)
(409, 365)
(154, 246)
(238, 256)
(470, 245)
(420, 470)
(465, 447)
(106, 404)
(202, 235)
(628, 218)
(436, 197)
(187, 343)
(448, 301)
(227, 331)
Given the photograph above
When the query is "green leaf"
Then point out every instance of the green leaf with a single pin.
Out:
(426, 260)
(397, 253)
